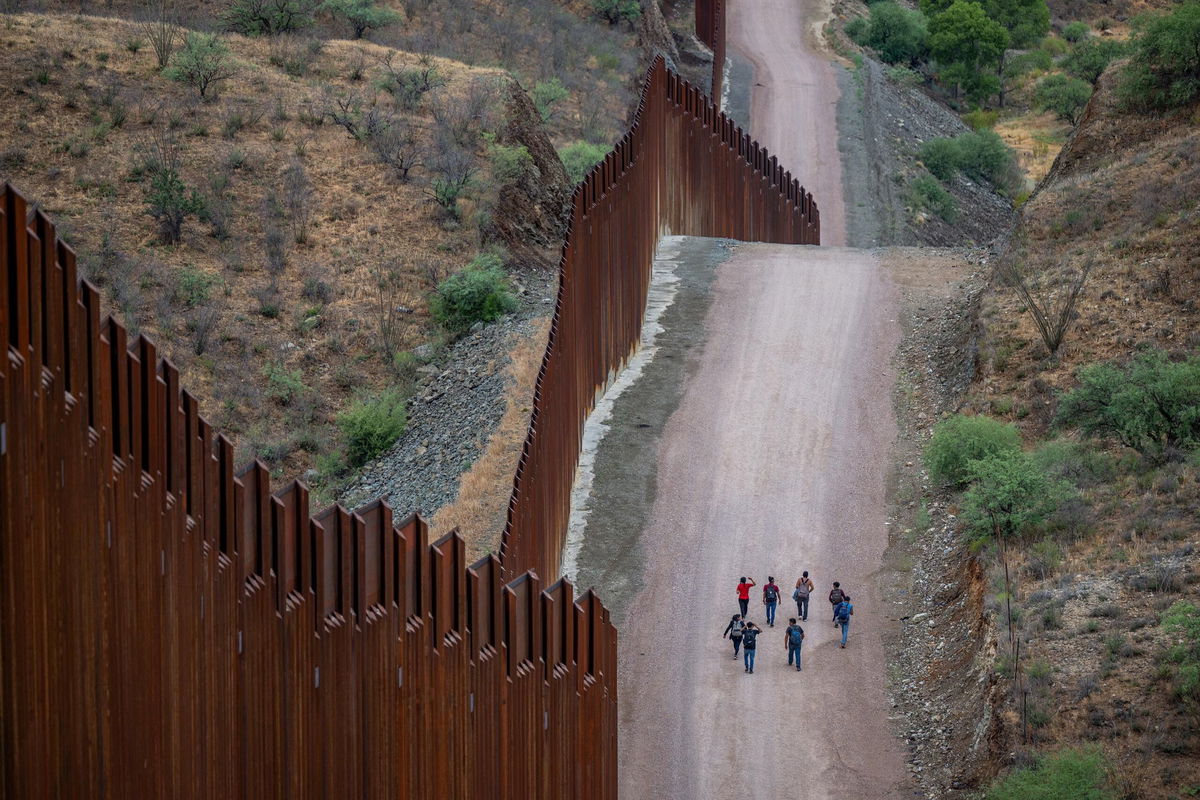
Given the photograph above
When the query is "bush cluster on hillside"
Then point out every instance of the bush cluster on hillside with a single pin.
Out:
(1164, 68)
(372, 426)
(981, 155)
(479, 293)
(1076, 774)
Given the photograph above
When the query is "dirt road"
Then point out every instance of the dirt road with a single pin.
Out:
(793, 106)
(774, 461)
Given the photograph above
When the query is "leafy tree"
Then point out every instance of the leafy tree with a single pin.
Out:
(1026, 21)
(479, 293)
(1077, 774)
(372, 426)
(1009, 494)
(361, 15)
(1184, 618)
(1076, 31)
(267, 17)
(614, 11)
(546, 95)
(580, 157)
(1151, 404)
(1164, 69)
(856, 29)
(897, 34)
(1064, 95)
(968, 47)
(961, 440)
(202, 62)
(1088, 59)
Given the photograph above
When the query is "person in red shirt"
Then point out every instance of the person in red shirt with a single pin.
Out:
(743, 592)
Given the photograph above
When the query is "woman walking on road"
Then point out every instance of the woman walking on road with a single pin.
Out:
(743, 592)
(804, 587)
(734, 631)
(750, 645)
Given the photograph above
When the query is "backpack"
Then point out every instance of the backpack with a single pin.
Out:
(837, 596)
(748, 638)
(737, 627)
(770, 594)
(843, 612)
(801, 591)
(795, 636)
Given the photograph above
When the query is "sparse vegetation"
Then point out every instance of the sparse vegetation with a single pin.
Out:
(1075, 774)
(928, 194)
(1183, 620)
(981, 155)
(372, 426)
(202, 62)
(579, 157)
(614, 11)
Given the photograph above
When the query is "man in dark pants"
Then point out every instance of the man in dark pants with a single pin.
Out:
(750, 645)
(804, 587)
(794, 638)
(734, 631)
(836, 595)
(771, 599)
(743, 592)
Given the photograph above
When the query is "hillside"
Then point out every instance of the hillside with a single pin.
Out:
(303, 282)
(1093, 582)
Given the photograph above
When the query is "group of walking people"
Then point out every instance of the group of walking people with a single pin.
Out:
(745, 633)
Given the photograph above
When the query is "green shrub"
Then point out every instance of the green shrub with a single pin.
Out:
(479, 293)
(267, 17)
(928, 194)
(170, 202)
(192, 286)
(968, 45)
(941, 157)
(1183, 618)
(510, 163)
(546, 95)
(372, 426)
(903, 76)
(361, 15)
(959, 440)
(579, 157)
(201, 63)
(1088, 59)
(1076, 31)
(1164, 68)
(1064, 95)
(979, 119)
(1009, 496)
(614, 11)
(1076, 462)
(1150, 404)
(283, 385)
(856, 29)
(897, 34)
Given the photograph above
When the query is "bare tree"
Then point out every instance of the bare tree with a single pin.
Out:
(454, 169)
(161, 29)
(409, 85)
(387, 280)
(462, 118)
(201, 323)
(398, 146)
(297, 199)
(1054, 310)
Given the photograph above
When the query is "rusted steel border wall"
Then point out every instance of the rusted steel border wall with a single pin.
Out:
(683, 168)
(710, 29)
(170, 628)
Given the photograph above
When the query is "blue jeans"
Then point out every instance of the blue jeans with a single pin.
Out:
(802, 607)
(737, 644)
(771, 613)
(845, 631)
(748, 655)
(794, 650)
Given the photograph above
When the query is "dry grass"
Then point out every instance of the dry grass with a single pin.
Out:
(481, 508)
(70, 78)
(1036, 138)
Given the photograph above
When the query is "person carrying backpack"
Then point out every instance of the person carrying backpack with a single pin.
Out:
(841, 616)
(836, 595)
(743, 592)
(771, 599)
(750, 645)
(794, 638)
(804, 587)
(734, 631)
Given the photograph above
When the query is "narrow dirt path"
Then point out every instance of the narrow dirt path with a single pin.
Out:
(793, 105)
(775, 461)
